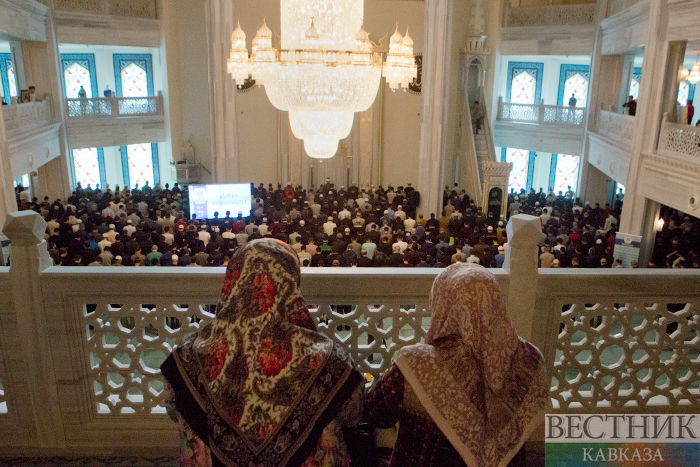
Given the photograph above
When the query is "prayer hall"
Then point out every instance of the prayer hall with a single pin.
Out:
(349, 233)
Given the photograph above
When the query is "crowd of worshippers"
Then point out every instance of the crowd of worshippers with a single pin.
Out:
(329, 227)
(678, 241)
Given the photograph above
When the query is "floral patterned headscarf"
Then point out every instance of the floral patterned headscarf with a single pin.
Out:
(485, 388)
(258, 384)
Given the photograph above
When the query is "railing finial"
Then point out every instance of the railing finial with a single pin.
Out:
(24, 228)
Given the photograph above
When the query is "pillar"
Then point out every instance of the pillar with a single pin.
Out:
(29, 258)
(435, 103)
(659, 72)
(627, 69)
(220, 21)
(42, 68)
(521, 264)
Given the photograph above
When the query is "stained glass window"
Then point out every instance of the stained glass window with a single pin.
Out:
(134, 81)
(12, 79)
(523, 89)
(518, 175)
(87, 167)
(79, 70)
(140, 161)
(24, 180)
(683, 90)
(634, 89)
(567, 173)
(578, 86)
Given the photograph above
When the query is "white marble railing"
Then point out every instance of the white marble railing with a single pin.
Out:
(615, 126)
(552, 15)
(680, 141)
(132, 8)
(616, 6)
(115, 107)
(22, 117)
(540, 114)
(80, 348)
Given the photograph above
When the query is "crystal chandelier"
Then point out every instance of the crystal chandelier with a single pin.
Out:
(325, 71)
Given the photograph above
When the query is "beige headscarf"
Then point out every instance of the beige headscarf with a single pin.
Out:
(484, 387)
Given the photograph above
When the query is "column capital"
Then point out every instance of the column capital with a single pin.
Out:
(24, 228)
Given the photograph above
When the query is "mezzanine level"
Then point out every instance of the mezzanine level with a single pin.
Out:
(115, 121)
(31, 137)
(538, 127)
(80, 348)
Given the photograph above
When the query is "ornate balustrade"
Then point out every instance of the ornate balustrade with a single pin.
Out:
(680, 141)
(80, 348)
(552, 15)
(615, 126)
(115, 107)
(130, 8)
(22, 117)
(540, 114)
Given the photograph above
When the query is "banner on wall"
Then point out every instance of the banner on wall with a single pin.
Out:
(627, 248)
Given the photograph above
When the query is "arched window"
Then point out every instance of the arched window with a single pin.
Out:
(523, 89)
(519, 174)
(9, 80)
(634, 83)
(578, 86)
(88, 165)
(567, 167)
(134, 81)
(140, 164)
(79, 70)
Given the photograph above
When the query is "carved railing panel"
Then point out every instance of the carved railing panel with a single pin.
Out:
(22, 117)
(115, 106)
(616, 355)
(680, 141)
(615, 126)
(131, 8)
(541, 114)
(553, 15)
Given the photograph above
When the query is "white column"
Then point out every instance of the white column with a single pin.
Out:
(650, 106)
(436, 84)
(521, 264)
(220, 20)
(29, 258)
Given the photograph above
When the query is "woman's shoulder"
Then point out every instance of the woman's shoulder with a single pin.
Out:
(416, 351)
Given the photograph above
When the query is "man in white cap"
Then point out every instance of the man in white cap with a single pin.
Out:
(329, 227)
(104, 242)
(500, 257)
(174, 259)
(400, 213)
(112, 234)
(344, 214)
(204, 235)
(117, 261)
(129, 229)
(263, 229)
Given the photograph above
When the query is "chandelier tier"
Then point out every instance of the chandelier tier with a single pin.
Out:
(325, 71)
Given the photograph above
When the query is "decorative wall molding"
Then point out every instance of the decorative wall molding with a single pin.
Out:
(547, 40)
(550, 15)
(30, 149)
(127, 8)
(100, 29)
(625, 30)
(609, 156)
(23, 19)
(671, 181)
(90, 133)
(555, 139)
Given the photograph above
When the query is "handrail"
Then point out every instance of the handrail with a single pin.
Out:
(22, 117)
(680, 142)
(487, 126)
(550, 15)
(541, 114)
(115, 106)
(615, 126)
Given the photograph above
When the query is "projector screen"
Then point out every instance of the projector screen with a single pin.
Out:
(205, 200)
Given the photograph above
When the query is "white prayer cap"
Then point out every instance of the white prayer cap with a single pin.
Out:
(330, 219)
(175, 258)
(118, 258)
(129, 221)
(104, 235)
(302, 223)
(111, 226)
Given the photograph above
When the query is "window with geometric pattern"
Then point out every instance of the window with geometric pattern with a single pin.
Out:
(89, 167)
(9, 80)
(524, 83)
(520, 159)
(79, 70)
(573, 80)
(140, 164)
(133, 75)
(566, 168)
(685, 91)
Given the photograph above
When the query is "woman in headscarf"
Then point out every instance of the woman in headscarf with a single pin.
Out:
(258, 385)
(474, 392)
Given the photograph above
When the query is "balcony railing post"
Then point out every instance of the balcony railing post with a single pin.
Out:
(499, 116)
(159, 103)
(29, 258)
(114, 107)
(540, 112)
(524, 232)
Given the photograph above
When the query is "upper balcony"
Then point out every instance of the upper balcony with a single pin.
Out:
(32, 140)
(115, 121)
(96, 385)
(548, 128)
(548, 30)
(610, 144)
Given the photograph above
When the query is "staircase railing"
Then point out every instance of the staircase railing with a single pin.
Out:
(487, 127)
